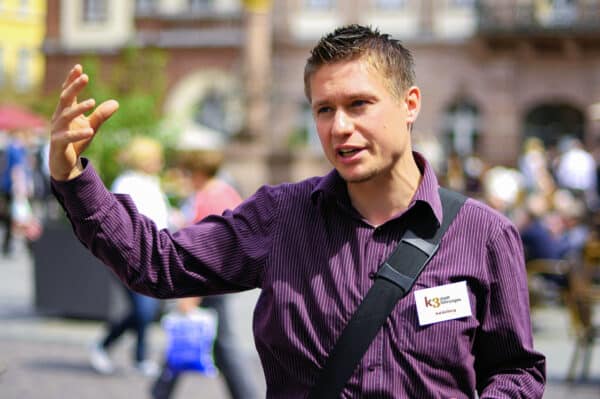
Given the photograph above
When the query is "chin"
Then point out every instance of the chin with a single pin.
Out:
(356, 178)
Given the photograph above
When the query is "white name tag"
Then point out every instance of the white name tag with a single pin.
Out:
(445, 302)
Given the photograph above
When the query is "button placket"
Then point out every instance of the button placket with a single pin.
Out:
(372, 363)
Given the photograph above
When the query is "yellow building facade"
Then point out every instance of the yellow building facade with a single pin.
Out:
(22, 30)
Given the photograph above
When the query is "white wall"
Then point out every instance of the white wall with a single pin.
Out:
(115, 31)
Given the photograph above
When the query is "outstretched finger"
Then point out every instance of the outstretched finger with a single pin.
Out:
(74, 111)
(102, 113)
(69, 94)
(73, 74)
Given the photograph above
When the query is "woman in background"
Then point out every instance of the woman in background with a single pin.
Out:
(144, 159)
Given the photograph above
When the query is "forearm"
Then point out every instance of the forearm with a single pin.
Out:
(72, 174)
(148, 260)
(102, 224)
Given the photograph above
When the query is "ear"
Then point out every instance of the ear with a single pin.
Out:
(413, 103)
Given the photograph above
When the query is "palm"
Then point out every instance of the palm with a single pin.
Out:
(72, 131)
(81, 122)
(73, 150)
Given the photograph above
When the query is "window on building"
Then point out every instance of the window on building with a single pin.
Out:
(95, 11)
(220, 109)
(461, 126)
(321, 5)
(23, 70)
(210, 112)
(556, 12)
(145, 6)
(552, 121)
(201, 5)
(390, 4)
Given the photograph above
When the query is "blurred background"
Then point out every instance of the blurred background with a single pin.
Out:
(510, 115)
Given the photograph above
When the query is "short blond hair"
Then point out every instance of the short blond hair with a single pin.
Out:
(352, 42)
(207, 162)
(140, 151)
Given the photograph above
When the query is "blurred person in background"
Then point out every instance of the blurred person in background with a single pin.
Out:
(576, 171)
(18, 188)
(465, 173)
(538, 229)
(474, 167)
(455, 175)
(211, 195)
(144, 160)
(553, 228)
(533, 165)
(595, 152)
(574, 230)
(553, 225)
(503, 189)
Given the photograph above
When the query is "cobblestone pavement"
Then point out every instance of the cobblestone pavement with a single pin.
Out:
(46, 357)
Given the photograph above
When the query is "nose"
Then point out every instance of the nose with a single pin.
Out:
(342, 123)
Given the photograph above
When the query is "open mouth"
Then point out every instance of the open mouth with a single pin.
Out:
(348, 152)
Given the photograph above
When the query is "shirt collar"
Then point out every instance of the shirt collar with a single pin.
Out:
(333, 187)
(427, 192)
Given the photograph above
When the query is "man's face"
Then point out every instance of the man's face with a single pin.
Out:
(363, 128)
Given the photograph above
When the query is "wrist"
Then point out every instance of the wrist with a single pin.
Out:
(73, 173)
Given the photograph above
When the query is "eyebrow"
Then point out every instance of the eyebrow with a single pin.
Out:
(319, 104)
(351, 97)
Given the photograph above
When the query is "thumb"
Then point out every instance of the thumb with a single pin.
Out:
(102, 113)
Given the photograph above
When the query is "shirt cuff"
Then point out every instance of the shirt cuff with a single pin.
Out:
(84, 195)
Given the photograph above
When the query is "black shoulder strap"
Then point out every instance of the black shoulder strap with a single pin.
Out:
(393, 281)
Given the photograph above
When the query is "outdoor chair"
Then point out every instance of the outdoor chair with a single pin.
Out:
(582, 300)
(547, 281)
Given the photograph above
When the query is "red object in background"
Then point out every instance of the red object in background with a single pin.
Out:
(13, 117)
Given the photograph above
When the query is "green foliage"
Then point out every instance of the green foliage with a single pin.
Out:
(136, 79)
(137, 82)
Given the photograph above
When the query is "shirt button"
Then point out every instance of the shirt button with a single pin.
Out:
(372, 275)
(372, 367)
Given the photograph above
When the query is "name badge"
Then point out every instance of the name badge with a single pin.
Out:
(445, 302)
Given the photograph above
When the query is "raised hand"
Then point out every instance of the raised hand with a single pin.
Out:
(71, 131)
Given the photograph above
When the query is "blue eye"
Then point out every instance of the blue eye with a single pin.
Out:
(358, 103)
(323, 110)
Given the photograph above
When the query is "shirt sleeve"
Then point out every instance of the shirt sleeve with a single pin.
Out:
(507, 365)
(218, 255)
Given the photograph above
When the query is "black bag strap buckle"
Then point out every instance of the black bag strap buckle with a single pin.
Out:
(406, 277)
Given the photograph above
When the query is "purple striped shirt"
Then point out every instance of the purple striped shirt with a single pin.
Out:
(314, 257)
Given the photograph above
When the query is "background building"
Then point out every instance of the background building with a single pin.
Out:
(22, 29)
(491, 72)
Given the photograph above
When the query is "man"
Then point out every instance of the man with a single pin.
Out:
(313, 247)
